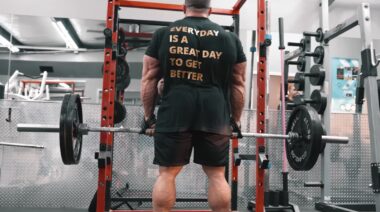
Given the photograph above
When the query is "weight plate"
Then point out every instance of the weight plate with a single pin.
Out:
(123, 77)
(301, 64)
(298, 100)
(70, 137)
(320, 51)
(62, 129)
(303, 152)
(299, 81)
(120, 112)
(318, 75)
(320, 36)
(303, 44)
(319, 101)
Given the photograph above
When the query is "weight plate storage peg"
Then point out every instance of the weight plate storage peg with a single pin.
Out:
(303, 151)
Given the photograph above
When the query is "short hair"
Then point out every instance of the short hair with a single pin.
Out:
(198, 4)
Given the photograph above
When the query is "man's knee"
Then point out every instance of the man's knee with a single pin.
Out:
(170, 172)
(214, 172)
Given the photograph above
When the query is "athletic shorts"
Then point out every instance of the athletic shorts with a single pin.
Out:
(174, 149)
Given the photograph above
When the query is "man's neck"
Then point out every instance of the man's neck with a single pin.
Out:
(195, 14)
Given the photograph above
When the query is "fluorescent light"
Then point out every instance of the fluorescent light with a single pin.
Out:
(65, 35)
(4, 42)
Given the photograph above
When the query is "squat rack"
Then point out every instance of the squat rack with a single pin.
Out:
(105, 154)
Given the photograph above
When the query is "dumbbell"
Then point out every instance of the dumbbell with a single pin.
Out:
(301, 44)
(318, 54)
(300, 63)
(316, 76)
(318, 35)
(318, 101)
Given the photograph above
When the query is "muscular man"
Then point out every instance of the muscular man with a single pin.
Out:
(204, 71)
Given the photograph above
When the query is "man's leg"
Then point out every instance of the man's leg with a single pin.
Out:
(219, 192)
(164, 193)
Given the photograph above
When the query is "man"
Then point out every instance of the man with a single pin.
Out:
(203, 67)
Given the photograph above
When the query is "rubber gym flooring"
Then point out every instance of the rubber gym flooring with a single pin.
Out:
(64, 210)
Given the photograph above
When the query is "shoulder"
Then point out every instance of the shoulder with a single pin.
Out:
(161, 31)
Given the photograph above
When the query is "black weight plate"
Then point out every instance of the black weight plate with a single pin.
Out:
(319, 50)
(123, 77)
(70, 137)
(299, 83)
(319, 101)
(319, 73)
(320, 36)
(303, 152)
(303, 44)
(120, 112)
(301, 64)
(298, 100)
(62, 130)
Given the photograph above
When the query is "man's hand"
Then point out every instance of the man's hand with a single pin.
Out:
(236, 128)
(148, 126)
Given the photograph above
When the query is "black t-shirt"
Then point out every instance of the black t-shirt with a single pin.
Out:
(196, 60)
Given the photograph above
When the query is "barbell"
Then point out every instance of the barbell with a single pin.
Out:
(32, 146)
(305, 135)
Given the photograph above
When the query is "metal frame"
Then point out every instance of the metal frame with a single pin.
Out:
(261, 102)
(368, 83)
(327, 87)
(108, 93)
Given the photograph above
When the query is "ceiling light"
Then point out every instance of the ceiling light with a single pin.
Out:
(4, 42)
(65, 35)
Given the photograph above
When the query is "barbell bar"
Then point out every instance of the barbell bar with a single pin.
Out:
(22, 145)
(305, 135)
(84, 129)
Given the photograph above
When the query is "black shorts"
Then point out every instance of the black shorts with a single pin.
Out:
(174, 149)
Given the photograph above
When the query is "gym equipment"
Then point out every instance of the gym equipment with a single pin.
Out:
(301, 44)
(318, 54)
(318, 101)
(316, 76)
(123, 77)
(22, 145)
(120, 112)
(300, 63)
(317, 34)
(72, 129)
(303, 154)
(2, 88)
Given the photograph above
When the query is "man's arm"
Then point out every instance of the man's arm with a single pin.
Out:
(238, 91)
(150, 78)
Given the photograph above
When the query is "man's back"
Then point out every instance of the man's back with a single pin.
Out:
(196, 59)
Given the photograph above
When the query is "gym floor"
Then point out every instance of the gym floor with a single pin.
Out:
(65, 210)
